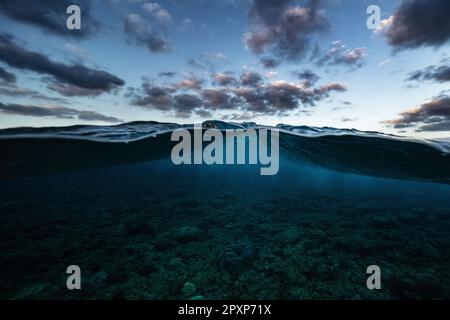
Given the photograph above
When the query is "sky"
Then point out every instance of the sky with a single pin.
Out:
(299, 62)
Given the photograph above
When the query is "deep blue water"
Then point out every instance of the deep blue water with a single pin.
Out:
(140, 227)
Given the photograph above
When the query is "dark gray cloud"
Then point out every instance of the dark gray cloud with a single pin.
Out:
(347, 119)
(7, 76)
(418, 23)
(203, 113)
(439, 74)
(70, 90)
(251, 78)
(439, 126)
(50, 15)
(37, 111)
(238, 117)
(74, 75)
(186, 101)
(216, 99)
(281, 97)
(141, 32)
(339, 55)
(154, 96)
(282, 29)
(252, 99)
(12, 90)
(185, 104)
(306, 75)
(344, 105)
(430, 116)
(253, 96)
(95, 116)
(269, 63)
(168, 74)
(16, 91)
(56, 112)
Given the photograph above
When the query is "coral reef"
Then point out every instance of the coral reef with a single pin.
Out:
(155, 232)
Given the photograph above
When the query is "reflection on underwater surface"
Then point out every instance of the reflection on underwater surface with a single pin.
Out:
(145, 230)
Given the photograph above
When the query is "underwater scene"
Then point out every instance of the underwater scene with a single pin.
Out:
(110, 200)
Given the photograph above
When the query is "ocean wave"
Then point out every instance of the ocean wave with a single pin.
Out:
(31, 151)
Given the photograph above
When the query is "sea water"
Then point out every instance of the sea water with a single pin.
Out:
(110, 201)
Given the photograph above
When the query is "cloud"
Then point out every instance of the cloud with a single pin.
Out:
(285, 31)
(192, 82)
(439, 74)
(168, 74)
(55, 112)
(251, 79)
(224, 79)
(15, 91)
(325, 89)
(239, 116)
(344, 105)
(208, 61)
(95, 116)
(215, 99)
(253, 95)
(74, 75)
(270, 74)
(306, 75)
(346, 119)
(166, 98)
(185, 104)
(203, 113)
(7, 76)
(37, 111)
(70, 90)
(270, 63)
(186, 101)
(430, 116)
(140, 32)
(418, 23)
(384, 62)
(79, 53)
(158, 13)
(50, 16)
(439, 126)
(280, 97)
(154, 96)
(339, 55)
(186, 24)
